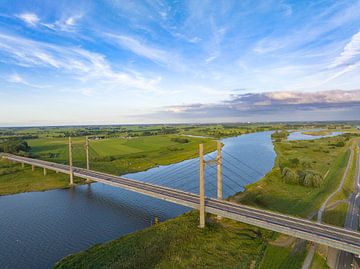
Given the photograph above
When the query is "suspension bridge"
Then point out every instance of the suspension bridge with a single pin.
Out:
(328, 235)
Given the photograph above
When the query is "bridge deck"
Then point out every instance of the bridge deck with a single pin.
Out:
(332, 236)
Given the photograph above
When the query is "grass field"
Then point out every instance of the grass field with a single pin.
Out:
(121, 155)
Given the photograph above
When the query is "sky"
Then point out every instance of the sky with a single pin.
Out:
(120, 62)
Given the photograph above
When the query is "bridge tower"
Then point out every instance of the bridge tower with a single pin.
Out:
(219, 173)
(87, 156)
(71, 163)
(202, 186)
(218, 162)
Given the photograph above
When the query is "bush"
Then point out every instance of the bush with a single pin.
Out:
(294, 162)
(289, 176)
(180, 140)
(310, 178)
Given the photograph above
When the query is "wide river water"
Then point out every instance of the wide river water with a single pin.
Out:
(39, 228)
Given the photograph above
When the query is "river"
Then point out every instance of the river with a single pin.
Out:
(39, 228)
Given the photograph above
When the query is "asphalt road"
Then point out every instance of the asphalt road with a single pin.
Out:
(345, 259)
(320, 233)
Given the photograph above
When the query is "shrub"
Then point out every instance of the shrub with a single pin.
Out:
(289, 176)
(180, 140)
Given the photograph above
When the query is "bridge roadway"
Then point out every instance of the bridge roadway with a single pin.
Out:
(339, 238)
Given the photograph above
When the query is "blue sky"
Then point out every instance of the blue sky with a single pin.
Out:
(100, 62)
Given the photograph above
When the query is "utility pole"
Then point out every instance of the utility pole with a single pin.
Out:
(71, 163)
(219, 173)
(202, 187)
(87, 156)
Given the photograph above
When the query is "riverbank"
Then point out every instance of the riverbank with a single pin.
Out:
(178, 243)
(116, 156)
(271, 193)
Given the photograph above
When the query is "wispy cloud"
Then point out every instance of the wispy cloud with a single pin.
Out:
(29, 18)
(65, 24)
(141, 49)
(81, 64)
(18, 79)
(350, 54)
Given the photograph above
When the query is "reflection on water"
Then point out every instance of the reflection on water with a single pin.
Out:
(39, 228)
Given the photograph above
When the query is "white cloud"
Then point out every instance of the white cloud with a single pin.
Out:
(67, 24)
(30, 18)
(139, 48)
(18, 79)
(350, 52)
(15, 78)
(81, 64)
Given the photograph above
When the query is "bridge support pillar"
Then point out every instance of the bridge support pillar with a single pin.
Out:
(219, 173)
(202, 187)
(45, 172)
(33, 168)
(22, 165)
(71, 163)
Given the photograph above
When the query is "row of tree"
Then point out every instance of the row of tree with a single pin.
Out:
(15, 146)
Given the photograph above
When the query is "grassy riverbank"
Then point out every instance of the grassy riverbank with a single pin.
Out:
(178, 243)
(319, 156)
(171, 245)
(115, 155)
(15, 179)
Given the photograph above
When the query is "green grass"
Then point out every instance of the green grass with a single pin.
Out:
(15, 179)
(178, 243)
(336, 215)
(282, 258)
(319, 262)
